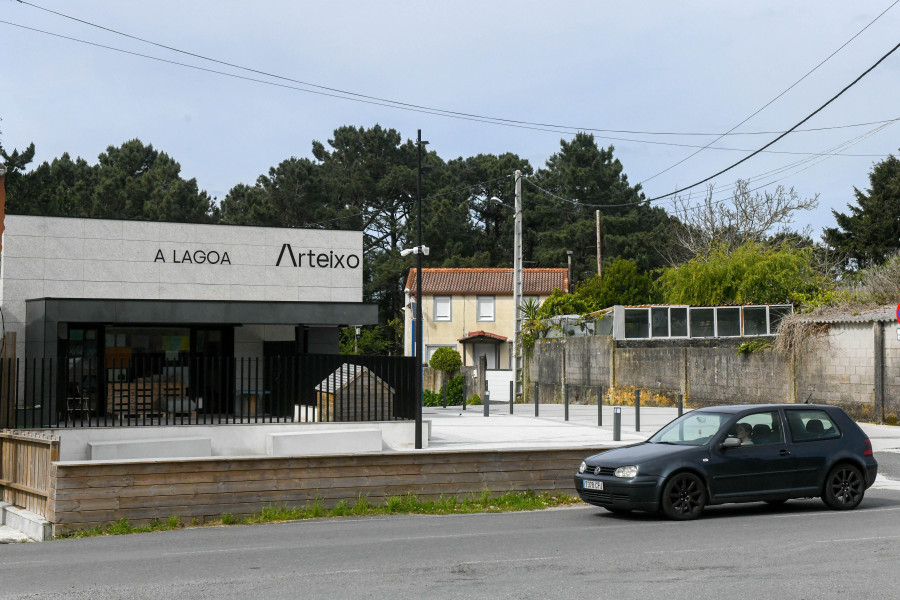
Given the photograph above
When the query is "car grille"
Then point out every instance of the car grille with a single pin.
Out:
(601, 497)
(610, 471)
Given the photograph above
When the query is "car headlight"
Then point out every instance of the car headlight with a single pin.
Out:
(583, 467)
(629, 471)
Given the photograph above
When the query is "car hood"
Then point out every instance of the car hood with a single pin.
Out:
(639, 453)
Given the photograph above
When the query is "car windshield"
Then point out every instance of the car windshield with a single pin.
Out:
(693, 429)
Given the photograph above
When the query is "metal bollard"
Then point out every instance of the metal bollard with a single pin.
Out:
(444, 399)
(680, 404)
(637, 410)
(512, 391)
(465, 399)
(600, 406)
(537, 399)
(617, 424)
(487, 402)
(566, 400)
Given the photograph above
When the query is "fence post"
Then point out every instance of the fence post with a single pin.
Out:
(680, 404)
(512, 391)
(465, 398)
(566, 400)
(487, 400)
(537, 399)
(637, 410)
(444, 400)
(617, 424)
(599, 406)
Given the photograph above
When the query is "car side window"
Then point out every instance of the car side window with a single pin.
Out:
(811, 425)
(758, 429)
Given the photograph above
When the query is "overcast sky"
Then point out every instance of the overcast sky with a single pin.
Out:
(653, 66)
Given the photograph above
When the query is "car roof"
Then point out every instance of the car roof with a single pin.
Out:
(736, 408)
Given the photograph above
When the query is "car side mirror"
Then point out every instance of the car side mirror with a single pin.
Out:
(731, 442)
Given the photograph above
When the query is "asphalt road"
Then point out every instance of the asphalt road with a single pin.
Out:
(799, 550)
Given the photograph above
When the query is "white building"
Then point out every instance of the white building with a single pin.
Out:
(73, 288)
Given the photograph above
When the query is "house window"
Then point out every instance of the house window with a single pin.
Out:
(485, 309)
(442, 308)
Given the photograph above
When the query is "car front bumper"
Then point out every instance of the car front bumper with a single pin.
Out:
(638, 493)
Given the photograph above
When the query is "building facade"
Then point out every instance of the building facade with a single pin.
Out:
(136, 300)
(471, 310)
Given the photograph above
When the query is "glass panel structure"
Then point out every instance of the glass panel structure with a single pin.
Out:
(659, 318)
(755, 322)
(637, 324)
(703, 322)
(728, 322)
(678, 322)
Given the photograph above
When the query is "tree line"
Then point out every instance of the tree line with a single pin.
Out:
(365, 179)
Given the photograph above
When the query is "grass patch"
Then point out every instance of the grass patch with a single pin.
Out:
(395, 505)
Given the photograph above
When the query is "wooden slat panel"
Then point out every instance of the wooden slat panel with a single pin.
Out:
(87, 495)
(25, 466)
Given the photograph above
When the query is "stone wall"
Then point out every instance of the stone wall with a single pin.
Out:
(841, 367)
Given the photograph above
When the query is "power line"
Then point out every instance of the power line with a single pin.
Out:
(378, 101)
(775, 98)
(814, 159)
(807, 118)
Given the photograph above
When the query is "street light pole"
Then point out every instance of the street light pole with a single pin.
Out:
(2, 199)
(517, 288)
(419, 253)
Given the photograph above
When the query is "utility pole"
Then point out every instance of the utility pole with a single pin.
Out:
(599, 270)
(517, 288)
(419, 253)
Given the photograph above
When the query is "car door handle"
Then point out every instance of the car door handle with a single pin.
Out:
(784, 452)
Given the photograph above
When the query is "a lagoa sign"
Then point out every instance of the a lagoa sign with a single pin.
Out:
(287, 257)
(314, 259)
(198, 257)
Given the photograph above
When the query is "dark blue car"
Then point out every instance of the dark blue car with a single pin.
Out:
(745, 453)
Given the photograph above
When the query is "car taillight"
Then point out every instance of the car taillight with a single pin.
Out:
(867, 448)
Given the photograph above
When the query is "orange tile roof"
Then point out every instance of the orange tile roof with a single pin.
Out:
(488, 281)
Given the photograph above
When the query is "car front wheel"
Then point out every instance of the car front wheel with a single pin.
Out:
(844, 488)
(683, 497)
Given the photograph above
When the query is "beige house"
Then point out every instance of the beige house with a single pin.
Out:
(471, 310)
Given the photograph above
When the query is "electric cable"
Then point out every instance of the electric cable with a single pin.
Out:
(807, 118)
(400, 104)
(776, 97)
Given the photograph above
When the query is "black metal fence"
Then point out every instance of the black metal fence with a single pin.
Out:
(202, 390)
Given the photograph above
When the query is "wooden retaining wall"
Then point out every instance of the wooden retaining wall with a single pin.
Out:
(25, 469)
(85, 494)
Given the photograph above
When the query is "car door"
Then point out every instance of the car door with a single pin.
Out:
(760, 467)
(813, 437)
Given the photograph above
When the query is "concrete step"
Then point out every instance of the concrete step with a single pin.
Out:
(33, 527)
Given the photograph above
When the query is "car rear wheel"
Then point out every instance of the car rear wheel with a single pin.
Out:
(844, 488)
(684, 497)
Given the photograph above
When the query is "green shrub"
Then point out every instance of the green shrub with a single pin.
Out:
(430, 398)
(475, 400)
(447, 360)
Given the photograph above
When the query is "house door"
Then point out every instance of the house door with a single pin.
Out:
(489, 351)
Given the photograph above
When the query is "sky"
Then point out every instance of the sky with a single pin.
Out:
(642, 69)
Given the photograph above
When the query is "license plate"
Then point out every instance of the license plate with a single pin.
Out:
(590, 484)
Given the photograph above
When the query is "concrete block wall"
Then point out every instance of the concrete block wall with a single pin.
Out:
(837, 369)
(892, 372)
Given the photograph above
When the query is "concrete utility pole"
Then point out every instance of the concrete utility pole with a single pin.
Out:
(599, 271)
(419, 252)
(517, 288)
